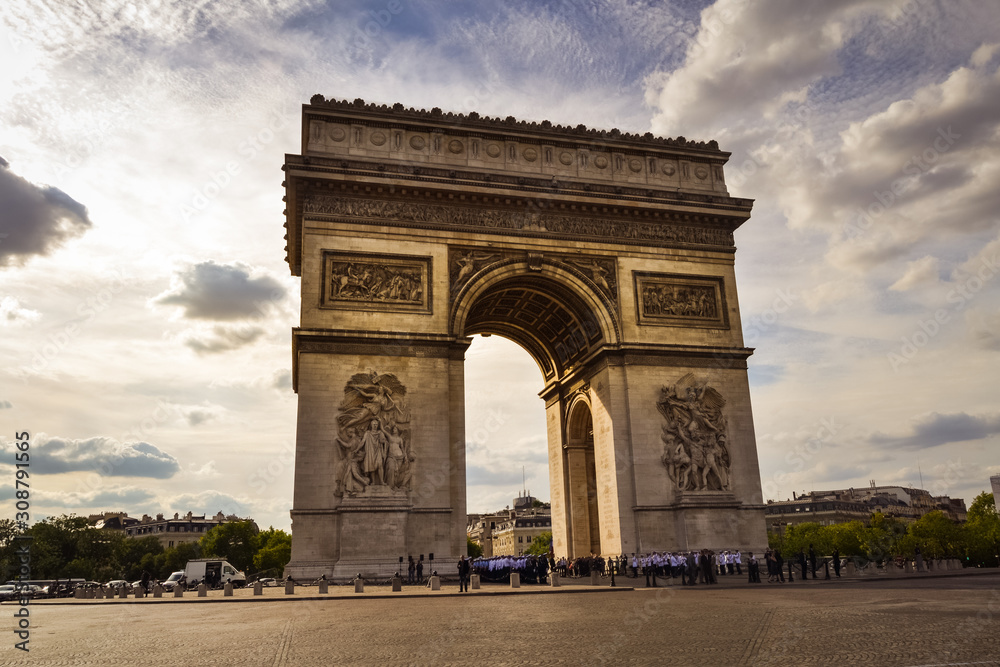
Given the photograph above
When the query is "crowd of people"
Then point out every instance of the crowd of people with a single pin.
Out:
(688, 567)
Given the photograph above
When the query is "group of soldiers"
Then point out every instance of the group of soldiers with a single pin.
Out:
(691, 567)
(532, 569)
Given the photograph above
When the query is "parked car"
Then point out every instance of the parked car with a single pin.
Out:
(8, 592)
(175, 579)
(118, 583)
(268, 581)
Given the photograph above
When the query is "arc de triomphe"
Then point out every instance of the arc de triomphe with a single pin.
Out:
(607, 256)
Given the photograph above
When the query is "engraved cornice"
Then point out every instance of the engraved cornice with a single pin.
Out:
(736, 207)
(505, 221)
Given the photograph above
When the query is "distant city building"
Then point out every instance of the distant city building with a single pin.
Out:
(170, 532)
(841, 506)
(995, 483)
(510, 531)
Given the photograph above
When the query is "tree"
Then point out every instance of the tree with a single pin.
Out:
(274, 550)
(982, 532)
(475, 551)
(176, 558)
(234, 541)
(935, 534)
(540, 545)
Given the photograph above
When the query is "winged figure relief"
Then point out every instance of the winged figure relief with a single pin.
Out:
(374, 435)
(695, 438)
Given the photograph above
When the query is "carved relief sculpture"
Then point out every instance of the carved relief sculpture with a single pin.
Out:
(409, 214)
(674, 299)
(374, 435)
(695, 437)
(463, 264)
(381, 282)
(602, 273)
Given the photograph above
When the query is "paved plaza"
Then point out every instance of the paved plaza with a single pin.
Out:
(927, 621)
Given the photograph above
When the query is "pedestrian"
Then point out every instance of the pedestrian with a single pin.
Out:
(802, 564)
(836, 561)
(812, 560)
(411, 570)
(463, 575)
(420, 569)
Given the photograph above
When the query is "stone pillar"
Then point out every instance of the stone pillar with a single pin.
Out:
(202, 590)
(554, 580)
(397, 584)
(179, 591)
(157, 591)
(434, 582)
(139, 592)
(595, 578)
(323, 587)
(474, 582)
(78, 593)
(227, 590)
(515, 580)
(851, 569)
(289, 586)
(359, 585)
(258, 588)
(122, 593)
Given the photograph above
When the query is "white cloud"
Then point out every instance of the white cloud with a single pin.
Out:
(921, 272)
(13, 314)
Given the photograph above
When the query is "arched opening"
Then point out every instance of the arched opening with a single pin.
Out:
(547, 310)
(505, 437)
(562, 324)
(581, 482)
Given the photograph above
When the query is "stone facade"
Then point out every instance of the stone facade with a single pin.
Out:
(607, 256)
(828, 508)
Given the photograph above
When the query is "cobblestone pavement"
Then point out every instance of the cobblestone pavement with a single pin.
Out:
(949, 621)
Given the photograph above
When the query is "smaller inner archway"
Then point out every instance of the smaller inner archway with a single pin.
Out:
(584, 526)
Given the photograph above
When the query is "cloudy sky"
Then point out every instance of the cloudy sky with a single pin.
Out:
(145, 308)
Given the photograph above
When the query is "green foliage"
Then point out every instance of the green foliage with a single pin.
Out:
(274, 550)
(176, 558)
(982, 532)
(235, 541)
(883, 537)
(474, 550)
(540, 545)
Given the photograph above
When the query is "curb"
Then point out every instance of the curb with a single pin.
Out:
(352, 596)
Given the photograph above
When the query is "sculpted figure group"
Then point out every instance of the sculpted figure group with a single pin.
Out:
(358, 281)
(678, 300)
(695, 449)
(373, 436)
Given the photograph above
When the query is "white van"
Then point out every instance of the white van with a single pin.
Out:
(213, 571)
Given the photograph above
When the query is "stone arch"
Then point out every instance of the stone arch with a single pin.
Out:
(548, 308)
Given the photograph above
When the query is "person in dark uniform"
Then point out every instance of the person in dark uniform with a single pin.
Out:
(802, 564)
(836, 561)
(812, 560)
(463, 575)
